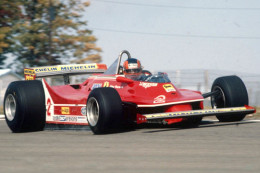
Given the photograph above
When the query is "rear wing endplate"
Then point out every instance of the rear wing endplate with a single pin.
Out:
(63, 70)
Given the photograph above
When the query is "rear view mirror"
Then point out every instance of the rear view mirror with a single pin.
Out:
(124, 80)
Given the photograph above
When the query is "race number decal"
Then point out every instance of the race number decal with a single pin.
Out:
(48, 107)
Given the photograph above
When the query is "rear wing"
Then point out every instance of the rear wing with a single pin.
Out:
(63, 70)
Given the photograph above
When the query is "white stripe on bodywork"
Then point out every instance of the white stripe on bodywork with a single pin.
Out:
(69, 104)
(171, 103)
(50, 107)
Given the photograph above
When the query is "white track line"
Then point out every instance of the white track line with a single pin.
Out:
(257, 121)
(244, 121)
(2, 117)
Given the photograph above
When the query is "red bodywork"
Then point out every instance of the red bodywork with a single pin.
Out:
(146, 98)
(149, 97)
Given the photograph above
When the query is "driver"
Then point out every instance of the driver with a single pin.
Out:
(132, 67)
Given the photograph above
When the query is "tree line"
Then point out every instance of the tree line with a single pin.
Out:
(45, 32)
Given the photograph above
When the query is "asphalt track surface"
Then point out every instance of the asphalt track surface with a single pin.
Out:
(212, 148)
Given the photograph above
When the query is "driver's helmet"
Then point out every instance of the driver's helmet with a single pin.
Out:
(132, 66)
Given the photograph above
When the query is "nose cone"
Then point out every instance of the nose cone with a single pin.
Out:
(148, 94)
(153, 93)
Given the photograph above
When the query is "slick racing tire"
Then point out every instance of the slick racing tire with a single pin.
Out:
(24, 106)
(232, 93)
(104, 110)
(192, 122)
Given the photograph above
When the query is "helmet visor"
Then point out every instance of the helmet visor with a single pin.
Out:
(132, 71)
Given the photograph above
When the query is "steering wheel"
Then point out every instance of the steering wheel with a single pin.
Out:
(146, 73)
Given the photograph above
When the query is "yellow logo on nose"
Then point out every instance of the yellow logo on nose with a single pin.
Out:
(168, 88)
(106, 84)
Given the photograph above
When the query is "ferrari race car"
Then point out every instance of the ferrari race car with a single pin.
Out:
(109, 100)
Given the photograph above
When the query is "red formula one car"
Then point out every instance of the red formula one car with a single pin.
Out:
(108, 99)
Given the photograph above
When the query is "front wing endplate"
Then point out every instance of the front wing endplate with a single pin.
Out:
(201, 113)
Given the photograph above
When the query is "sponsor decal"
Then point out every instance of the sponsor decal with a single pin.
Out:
(169, 88)
(116, 86)
(83, 110)
(106, 84)
(79, 67)
(65, 110)
(56, 118)
(45, 69)
(132, 65)
(27, 77)
(29, 74)
(96, 85)
(159, 99)
(65, 68)
(63, 118)
(82, 119)
(148, 85)
(29, 71)
(72, 119)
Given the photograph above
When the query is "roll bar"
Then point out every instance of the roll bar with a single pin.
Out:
(120, 57)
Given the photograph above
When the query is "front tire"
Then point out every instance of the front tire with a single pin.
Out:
(104, 110)
(193, 122)
(24, 106)
(231, 93)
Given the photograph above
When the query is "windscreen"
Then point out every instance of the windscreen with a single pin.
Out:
(113, 68)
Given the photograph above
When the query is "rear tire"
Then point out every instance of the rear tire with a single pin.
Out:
(232, 93)
(24, 106)
(104, 110)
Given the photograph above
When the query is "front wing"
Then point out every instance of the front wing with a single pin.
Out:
(196, 113)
